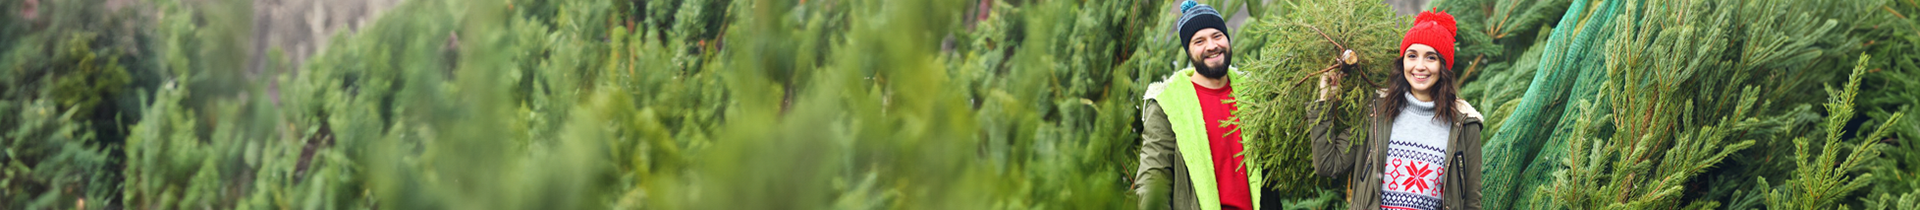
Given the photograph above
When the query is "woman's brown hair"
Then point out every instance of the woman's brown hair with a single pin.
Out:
(1444, 93)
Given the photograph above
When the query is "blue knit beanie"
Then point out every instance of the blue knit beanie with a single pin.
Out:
(1196, 16)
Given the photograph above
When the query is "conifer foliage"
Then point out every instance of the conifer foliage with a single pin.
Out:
(698, 105)
(1680, 50)
(1526, 141)
(69, 73)
(1282, 54)
(1887, 91)
(942, 104)
(1815, 185)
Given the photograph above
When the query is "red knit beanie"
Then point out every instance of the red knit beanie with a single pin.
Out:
(1433, 29)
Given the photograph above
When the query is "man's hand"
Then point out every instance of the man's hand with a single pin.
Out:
(1330, 81)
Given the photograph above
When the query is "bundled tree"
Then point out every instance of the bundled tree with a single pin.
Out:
(1660, 153)
(1653, 149)
(1567, 71)
(1527, 154)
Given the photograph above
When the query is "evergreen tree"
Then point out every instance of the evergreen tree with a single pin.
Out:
(70, 80)
(1766, 53)
(1653, 156)
(1493, 77)
(874, 104)
(1281, 53)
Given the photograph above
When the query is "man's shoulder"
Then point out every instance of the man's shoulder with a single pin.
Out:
(1154, 89)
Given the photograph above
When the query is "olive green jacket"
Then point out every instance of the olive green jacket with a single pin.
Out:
(1335, 155)
(1176, 166)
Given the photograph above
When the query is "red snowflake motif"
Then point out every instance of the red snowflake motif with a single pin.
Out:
(1417, 182)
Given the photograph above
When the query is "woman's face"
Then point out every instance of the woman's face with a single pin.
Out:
(1421, 67)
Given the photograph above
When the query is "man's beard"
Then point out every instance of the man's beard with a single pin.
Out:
(1211, 72)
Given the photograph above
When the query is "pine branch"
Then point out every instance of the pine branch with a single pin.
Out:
(1823, 178)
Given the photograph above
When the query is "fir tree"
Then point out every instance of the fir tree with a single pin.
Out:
(1493, 77)
(872, 104)
(1765, 53)
(1285, 50)
(70, 80)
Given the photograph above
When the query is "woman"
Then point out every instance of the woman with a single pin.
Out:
(1423, 151)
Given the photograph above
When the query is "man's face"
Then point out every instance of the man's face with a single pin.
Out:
(1209, 49)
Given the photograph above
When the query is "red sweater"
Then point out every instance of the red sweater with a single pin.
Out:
(1227, 171)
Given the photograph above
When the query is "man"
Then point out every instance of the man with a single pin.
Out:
(1187, 160)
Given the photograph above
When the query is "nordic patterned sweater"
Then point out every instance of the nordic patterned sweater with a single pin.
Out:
(1415, 158)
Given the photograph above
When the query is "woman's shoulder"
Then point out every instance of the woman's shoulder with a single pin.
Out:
(1467, 110)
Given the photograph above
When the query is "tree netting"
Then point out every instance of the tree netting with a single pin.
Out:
(1567, 70)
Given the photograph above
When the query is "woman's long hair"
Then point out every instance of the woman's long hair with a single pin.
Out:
(1443, 92)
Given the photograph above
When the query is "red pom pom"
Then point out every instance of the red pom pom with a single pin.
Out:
(1434, 29)
(1442, 19)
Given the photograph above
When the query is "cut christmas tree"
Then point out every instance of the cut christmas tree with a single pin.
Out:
(1286, 51)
